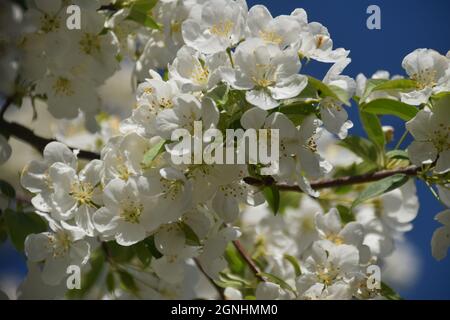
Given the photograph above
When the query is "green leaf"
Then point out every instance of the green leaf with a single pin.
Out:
(235, 261)
(362, 147)
(329, 91)
(389, 293)
(127, 281)
(391, 107)
(380, 187)
(272, 195)
(151, 154)
(293, 261)
(219, 94)
(397, 84)
(110, 282)
(440, 95)
(191, 237)
(278, 281)
(119, 253)
(7, 190)
(370, 85)
(140, 12)
(397, 154)
(143, 253)
(345, 214)
(150, 243)
(226, 281)
(21, 224)
(342, 95)
(372, 125)
(298, 108)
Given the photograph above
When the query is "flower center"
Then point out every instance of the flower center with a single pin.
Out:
(90, 43)
(222, 29)
(132, 213)
(175, 27)
(60, 243)
(320, 40)
(200, 74)
(312, 144)
(63, 86)
(171, 188)
(270, 37)
(49, 23)
(425, 78)
(335, 238)
(82, 192)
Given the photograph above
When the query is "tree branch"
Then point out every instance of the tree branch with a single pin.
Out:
(251, 264)
(26, 135)
(336, 182)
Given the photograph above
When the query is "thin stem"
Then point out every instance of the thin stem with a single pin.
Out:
(253, 267)
(219, 289)
(230, 56)
(399, 143)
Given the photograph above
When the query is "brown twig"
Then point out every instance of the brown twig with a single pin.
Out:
(336, 182)
(251, 264)
(27, 135)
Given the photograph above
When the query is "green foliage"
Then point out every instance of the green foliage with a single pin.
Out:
(151, 154)
(227, 279)
(278, 281)
(118, 253)
(373, 85)
(150, 244)
(370, 85)
(110, 282)
(345, 213)
(143, 253)
(329, 91)
(127, 281)
(389, 293)
(294, 262)
(272, 195)
(219, 94)
(191, 237)
(372, 126)
(397, 154)
(140, 12)
(235, 261)
(391, 107)
(362, 147)
(397, 84)
(380, 187)
(7, 190)
(21, 224)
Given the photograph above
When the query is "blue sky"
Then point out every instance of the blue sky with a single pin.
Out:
(406, 25)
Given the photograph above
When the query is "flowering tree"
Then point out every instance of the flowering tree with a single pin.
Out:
(140, 224)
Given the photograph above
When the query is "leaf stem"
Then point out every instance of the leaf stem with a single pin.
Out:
(403, 137)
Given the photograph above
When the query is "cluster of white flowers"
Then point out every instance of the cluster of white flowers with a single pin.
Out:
(333, 255)
(64, 65)
(227, 67)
